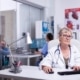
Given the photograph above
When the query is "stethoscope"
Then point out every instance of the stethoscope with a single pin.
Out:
(57, 52)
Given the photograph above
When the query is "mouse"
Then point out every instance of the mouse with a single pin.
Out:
(51, 72)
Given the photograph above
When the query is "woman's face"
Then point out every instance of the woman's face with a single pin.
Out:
(65, 37)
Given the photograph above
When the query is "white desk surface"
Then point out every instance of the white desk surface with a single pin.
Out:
(24, 55)
(33, 73)
(28, 56)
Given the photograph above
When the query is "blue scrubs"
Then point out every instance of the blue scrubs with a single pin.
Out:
(45, 50)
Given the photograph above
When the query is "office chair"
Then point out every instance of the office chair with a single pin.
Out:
(53, 43)
(4, 62)
(74, 42)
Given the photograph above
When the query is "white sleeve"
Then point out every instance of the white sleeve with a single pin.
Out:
(48, 60)
(76, 56)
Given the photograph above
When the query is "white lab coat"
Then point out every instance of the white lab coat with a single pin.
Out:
(55, 58)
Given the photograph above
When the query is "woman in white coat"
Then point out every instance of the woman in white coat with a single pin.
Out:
(62, 55)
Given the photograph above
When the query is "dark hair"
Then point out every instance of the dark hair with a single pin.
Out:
(49, 36)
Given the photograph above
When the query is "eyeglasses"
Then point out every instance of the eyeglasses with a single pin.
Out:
(68, 36)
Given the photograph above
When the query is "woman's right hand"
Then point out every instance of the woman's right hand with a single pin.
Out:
(47, 69)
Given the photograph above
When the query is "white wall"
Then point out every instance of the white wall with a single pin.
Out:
(7, 5)
(39, 2)
(52, 5)
(60, 6)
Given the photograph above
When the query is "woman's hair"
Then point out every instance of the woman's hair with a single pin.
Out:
(49, 36)
(64, 29)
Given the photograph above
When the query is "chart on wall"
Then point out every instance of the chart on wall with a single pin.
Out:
(45, 29)
(72, 18)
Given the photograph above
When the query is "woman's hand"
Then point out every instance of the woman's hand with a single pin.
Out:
(47, 69)
(76, 68)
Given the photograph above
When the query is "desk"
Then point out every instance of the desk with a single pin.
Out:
(33, 73)
(28, 56)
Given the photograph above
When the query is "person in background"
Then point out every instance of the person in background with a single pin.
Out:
(64, 55)
(44, 50)
(4, 51)
(3, 48)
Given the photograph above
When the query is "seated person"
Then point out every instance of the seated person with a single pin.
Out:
(63, 55)
(4, 51)
(44, 50)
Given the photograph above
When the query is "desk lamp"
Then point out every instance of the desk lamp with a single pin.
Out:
(15, 67)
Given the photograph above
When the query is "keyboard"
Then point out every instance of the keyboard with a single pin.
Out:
(69, 72)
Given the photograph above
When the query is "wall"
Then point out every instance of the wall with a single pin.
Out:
(7, 5)
(8, 9)
(39, 2)
(52, 5)
(9, 28)
(60, 6)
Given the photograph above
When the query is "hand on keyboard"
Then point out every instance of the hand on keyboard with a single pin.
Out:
(76, 68)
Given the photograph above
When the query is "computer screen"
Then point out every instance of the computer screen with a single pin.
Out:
(37, 43)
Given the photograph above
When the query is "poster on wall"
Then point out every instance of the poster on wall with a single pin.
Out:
(72, 18)
(45, 29)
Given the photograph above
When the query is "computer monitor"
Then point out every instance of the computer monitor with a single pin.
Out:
(37, 43)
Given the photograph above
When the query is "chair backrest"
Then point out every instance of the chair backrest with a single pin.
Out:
(74, 42)
(53, 43)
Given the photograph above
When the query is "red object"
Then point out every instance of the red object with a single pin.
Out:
(74, 15)
(66, 15)
(69, 24)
